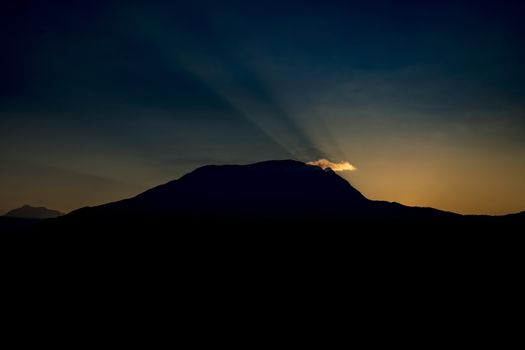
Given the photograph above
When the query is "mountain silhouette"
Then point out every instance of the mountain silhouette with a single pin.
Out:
(25, 216)
(220, 230)
(29, 212)
(270, 196)
(272, 190)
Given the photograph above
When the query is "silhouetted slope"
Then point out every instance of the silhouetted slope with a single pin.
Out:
(29, 212)
(270, 195)
(517, 215)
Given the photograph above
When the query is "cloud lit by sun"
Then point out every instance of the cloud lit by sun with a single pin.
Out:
(326, 164)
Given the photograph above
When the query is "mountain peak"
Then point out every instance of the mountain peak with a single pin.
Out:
(30, 212)
(276, 186)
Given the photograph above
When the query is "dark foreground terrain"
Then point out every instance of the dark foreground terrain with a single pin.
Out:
(266, 236)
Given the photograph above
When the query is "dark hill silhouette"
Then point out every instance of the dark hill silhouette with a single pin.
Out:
(29, 212)
(25, 216)
(270, 196)
(272, 190)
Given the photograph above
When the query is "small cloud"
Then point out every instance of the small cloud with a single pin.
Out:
(326, 164)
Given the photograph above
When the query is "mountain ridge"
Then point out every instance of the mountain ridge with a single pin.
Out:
(282, 190)
(269, 194)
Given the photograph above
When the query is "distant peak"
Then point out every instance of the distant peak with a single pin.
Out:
(29, 212)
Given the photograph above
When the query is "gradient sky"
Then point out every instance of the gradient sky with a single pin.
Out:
(102, 100)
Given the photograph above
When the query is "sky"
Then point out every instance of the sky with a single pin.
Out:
(100, 101)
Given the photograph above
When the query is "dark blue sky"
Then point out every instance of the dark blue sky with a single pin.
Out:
(100, 100)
